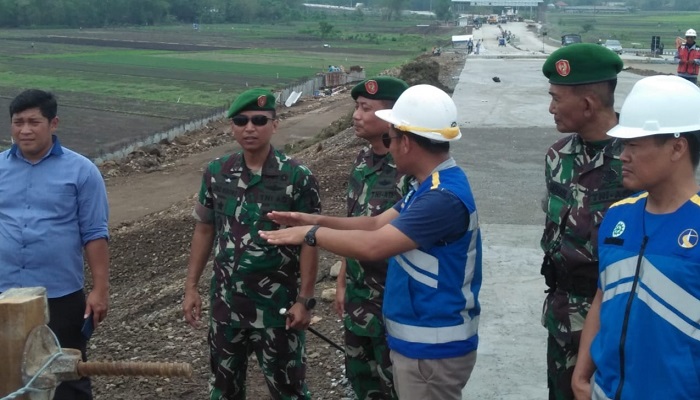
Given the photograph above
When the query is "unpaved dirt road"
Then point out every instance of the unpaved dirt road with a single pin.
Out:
(151, 229)
(134, 196)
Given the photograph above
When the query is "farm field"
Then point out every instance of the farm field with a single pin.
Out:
(116, 86)
(632, 30)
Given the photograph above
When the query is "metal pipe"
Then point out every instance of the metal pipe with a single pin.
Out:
(327, 340)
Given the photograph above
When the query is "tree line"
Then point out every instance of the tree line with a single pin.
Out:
(647, 5)
(102, 13)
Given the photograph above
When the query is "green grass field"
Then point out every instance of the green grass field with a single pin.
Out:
(633, 30)
(117, 85)
(140, 64)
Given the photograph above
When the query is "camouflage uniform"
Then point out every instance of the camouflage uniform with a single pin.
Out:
(583, 180)
(252, 279)
(374, 187)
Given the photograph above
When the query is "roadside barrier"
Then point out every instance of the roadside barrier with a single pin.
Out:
(307, 88)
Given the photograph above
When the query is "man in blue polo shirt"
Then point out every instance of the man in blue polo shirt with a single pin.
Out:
(431, 308)
(53, 205)
(641, 338)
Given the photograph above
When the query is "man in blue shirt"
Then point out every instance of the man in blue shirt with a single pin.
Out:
(431, 308)
(641, 336)
(53, 206)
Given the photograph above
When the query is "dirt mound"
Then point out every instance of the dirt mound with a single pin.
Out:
(423, 70)
(646, 72)
(149, 258)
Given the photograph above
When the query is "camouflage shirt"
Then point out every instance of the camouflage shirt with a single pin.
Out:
(252, 278)
(374, 186)
(583, 179)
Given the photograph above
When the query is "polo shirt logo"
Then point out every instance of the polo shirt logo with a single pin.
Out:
(371, 86)
(619, 229)
(688, 238)
(563, 67)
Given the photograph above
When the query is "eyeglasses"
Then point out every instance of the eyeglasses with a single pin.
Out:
(386, 139)
(257, 120)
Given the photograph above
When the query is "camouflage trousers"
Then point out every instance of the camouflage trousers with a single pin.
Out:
(368, 367)
(561, 360)
(563, 315)
(280, 353)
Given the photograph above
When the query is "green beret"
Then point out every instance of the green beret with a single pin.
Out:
(582, 63)
(379, 88)
(252, 100)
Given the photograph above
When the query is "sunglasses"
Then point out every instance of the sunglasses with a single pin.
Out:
(257, 120)
(386, 139)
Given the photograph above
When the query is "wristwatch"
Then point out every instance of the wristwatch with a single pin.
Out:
(308, 302)
(310, 237)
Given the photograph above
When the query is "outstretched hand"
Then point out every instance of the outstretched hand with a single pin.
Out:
(292, 218)
(288, 236)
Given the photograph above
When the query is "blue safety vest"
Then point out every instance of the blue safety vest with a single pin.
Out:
(657, 356)
(431, 306)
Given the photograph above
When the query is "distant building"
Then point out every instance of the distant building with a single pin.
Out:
(538, 6)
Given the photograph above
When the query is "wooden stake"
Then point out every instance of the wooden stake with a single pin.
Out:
(21, 310)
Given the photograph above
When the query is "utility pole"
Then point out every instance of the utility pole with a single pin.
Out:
(544, 33)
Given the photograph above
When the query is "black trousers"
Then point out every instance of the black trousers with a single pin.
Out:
(66, 321)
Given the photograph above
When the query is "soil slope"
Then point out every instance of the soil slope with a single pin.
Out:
(150, 249)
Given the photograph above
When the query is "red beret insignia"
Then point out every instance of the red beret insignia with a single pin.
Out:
(563, 67)
(371, 86)
(261, 101)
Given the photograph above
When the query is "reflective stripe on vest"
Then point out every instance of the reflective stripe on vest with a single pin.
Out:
(662, 295)
(414, 262)
(419, 334)
(597, 393)
(687, 65)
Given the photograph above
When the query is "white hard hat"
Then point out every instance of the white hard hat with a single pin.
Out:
(691, 32)
(425, 111)
(660, 104)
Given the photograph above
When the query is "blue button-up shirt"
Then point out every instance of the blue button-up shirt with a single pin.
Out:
(49, 210)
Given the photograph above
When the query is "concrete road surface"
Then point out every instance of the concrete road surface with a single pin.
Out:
(507, 129)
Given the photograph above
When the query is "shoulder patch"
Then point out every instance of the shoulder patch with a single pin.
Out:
(435, 180)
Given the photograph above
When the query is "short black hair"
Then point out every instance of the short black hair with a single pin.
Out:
(35, 98)
(693, 139)
(426, 144)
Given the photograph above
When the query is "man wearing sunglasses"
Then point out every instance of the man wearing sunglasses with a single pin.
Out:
(374, 186)
(252, 280)
(431, 308)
